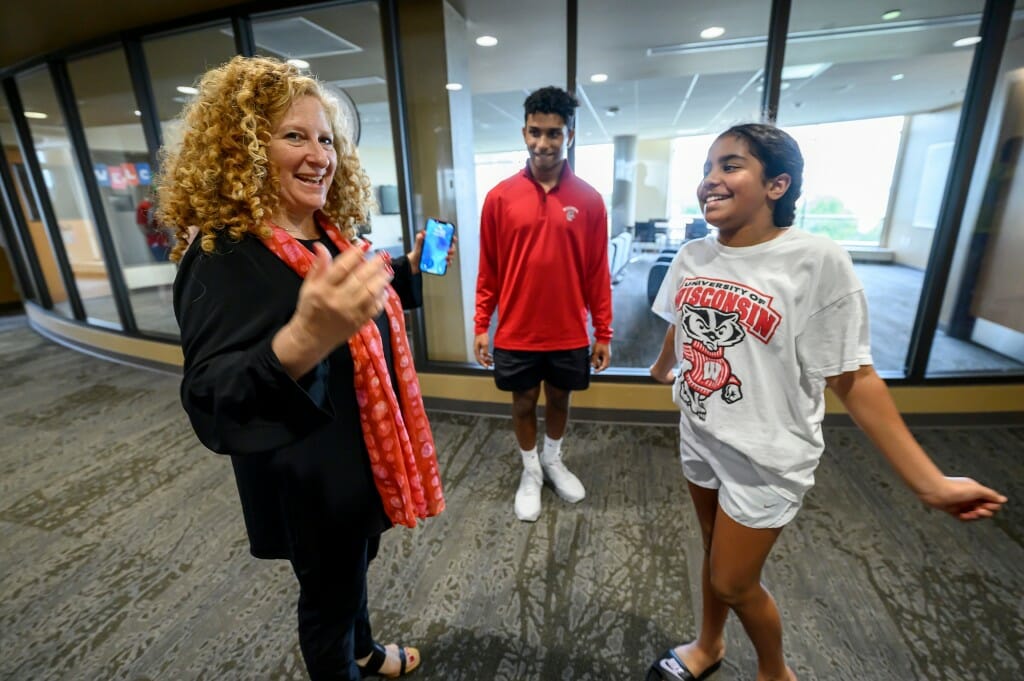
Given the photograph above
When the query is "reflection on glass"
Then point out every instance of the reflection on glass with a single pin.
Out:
(652, 99)
(176, 61)
(875, 104)
(120, 161)
(67, 194)
(24, 203)
(981, 324)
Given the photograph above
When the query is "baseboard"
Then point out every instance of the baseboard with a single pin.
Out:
(871, 254)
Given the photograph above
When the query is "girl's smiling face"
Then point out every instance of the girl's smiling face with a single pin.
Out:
(734, 195)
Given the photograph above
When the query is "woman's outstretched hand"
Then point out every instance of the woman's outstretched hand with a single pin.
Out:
(964, 499)
(338, 296)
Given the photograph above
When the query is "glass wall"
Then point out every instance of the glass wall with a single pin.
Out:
(22, 201)
(494, 55)
(873, 96)
(176, 62)
(653, 96)
(120, 161)
(981, 324)
(67, 195)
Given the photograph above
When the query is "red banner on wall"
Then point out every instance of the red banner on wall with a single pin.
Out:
(117, 180)
(131, 176)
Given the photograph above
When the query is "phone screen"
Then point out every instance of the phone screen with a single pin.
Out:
(436, 242)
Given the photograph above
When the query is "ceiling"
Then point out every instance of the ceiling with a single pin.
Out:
(705, 86)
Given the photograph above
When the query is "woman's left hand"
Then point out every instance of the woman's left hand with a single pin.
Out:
(417, 251)
(964, 498)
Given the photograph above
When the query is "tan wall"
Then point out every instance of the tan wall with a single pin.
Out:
(40, 241)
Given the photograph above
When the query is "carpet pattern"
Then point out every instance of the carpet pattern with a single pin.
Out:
(123, 555)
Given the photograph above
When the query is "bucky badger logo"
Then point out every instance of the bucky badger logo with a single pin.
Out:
(710, 332)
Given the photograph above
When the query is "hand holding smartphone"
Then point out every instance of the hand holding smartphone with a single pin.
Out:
(436, 242)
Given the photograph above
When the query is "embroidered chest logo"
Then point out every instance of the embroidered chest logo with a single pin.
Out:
(717, 314)
(570, 213)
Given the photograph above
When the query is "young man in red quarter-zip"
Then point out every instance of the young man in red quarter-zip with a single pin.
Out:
(544, 266)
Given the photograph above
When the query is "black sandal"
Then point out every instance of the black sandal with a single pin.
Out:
(379, 655)
(669, 667)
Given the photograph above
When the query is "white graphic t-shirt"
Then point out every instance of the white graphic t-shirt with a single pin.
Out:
(758, 329)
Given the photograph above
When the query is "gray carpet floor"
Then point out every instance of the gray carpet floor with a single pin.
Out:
(122, 552)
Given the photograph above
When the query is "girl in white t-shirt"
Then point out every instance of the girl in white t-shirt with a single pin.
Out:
(763, 317)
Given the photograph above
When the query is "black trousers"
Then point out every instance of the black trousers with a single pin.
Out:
(334, 623)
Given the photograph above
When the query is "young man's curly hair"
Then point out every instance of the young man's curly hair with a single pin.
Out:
(219, 178)
(552, 100)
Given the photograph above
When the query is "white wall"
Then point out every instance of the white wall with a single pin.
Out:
(379, 164)
(911, 244)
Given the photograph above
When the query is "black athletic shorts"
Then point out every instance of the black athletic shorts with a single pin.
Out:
(521, 370)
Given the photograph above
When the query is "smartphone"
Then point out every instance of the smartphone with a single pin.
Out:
(436, 242)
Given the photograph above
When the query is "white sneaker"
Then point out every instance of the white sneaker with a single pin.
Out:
(567, 485)
(528, 495)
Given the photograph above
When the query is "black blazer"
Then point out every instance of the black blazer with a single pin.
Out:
(297, 447)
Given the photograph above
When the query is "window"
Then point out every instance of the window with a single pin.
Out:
(981, 323)
(67, 195)
(120, 161)
(652, 99)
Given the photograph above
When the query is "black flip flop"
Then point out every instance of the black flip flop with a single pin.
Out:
(669, 667)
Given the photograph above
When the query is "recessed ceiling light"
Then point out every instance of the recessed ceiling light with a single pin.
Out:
(599, 78)
(712, 32)
(964, 42)
(187, 90)
(454, 87)
(137, 112)
(35, 114)
(891, 14)
(897, 76)
(487, 41)
(299, 63)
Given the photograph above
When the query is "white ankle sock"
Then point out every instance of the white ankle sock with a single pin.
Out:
(552, 448)
(530, 459)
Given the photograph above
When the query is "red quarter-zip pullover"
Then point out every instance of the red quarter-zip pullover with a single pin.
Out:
(544, 264)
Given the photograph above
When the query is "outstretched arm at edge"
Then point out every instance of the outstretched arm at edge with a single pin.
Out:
(867, 399)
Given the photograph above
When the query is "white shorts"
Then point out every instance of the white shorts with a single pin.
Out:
(743, 493)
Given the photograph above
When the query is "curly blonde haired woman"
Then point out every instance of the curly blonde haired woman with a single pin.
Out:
(296, 358)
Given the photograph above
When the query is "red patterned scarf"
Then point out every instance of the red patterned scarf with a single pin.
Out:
(399, 440)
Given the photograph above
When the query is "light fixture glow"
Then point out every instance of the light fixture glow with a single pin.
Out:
(454, 87)
(712, 32)
(137, 112)
(35, 114)
(891, 14)
(897, 76)
(800, 71)
(299, 63)
(599, 78)
(187, 90)
(965, 42)
(487, 41)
